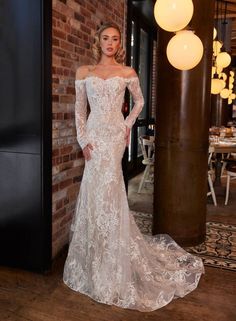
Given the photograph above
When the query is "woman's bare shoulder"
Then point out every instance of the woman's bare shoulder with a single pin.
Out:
(83, 71)
(129, 72)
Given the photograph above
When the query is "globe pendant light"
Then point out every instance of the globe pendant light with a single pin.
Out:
(223, 83)
(213, 71)
(173, 15)
(184, 50)
(217, 45)
(223, 59)
(223, 76)
(219, 70)
(214, 33)
(225, 93)
(216, 86)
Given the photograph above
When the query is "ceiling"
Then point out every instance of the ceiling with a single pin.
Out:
(231, 15)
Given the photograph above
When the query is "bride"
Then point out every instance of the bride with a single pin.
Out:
(109, 259)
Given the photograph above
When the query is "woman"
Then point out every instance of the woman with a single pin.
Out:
(109, 259)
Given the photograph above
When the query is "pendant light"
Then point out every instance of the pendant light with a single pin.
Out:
(216, 85)
(214, 33)
(184, 50)
(223, 59)
(173, 15)
(225, 93)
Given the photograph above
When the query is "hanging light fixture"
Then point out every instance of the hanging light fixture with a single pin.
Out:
(223, 59)
(223, 76)
(216, 85)
(217, 45)
(173, 15)
(225, 93)
(184, 50)
(214, 33)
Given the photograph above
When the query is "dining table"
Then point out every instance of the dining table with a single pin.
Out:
(222, 148)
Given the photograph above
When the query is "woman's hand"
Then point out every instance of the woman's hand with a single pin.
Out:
(127, 136)
(86, 152)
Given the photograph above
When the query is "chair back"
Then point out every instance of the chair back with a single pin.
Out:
(147, 147)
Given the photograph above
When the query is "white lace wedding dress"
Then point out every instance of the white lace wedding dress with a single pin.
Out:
(109, 259)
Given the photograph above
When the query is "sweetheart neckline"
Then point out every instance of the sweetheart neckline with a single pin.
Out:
(104, 79)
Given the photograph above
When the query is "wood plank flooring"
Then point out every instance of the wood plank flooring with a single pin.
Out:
(27, 296)
(33, 297)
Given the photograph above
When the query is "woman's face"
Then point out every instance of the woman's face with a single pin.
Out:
(110, 41)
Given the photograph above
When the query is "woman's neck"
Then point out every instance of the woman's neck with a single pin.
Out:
(107, 61)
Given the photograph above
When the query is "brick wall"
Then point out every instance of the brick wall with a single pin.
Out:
(74, 24)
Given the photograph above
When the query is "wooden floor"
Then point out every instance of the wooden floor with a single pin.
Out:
(26, 296)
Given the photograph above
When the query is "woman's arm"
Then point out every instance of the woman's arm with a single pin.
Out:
(134, 87)
(81, 111)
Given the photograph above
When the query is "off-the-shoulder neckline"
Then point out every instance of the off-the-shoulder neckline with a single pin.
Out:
(109, 78)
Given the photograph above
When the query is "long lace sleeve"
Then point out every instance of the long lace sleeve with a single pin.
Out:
(134, 88)
(81, 112)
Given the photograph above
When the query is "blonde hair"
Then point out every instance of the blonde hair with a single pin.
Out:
(96, 49)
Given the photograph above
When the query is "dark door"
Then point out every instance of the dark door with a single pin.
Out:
(25, 134)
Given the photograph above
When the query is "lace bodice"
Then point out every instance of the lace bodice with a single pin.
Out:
(105, 98)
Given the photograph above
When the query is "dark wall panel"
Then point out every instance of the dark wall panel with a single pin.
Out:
(25, 133)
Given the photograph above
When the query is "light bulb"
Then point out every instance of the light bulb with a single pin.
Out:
(213, 71)
(217, 45)
(214, 33)
(223, 76)
(216, 86)
(219, 70)
(173, 15)
(224, 93)
(184, 50)
(223, 59)
(223, 83)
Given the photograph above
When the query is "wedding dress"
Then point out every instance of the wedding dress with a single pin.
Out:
(109, 259)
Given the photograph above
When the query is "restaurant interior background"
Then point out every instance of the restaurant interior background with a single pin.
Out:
(42, 43)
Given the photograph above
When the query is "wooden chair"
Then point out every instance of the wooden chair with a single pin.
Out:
(210, 175)
(225, 160)
(147, 148)
(231, 174)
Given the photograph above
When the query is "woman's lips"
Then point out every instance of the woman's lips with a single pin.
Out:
(109, 49)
